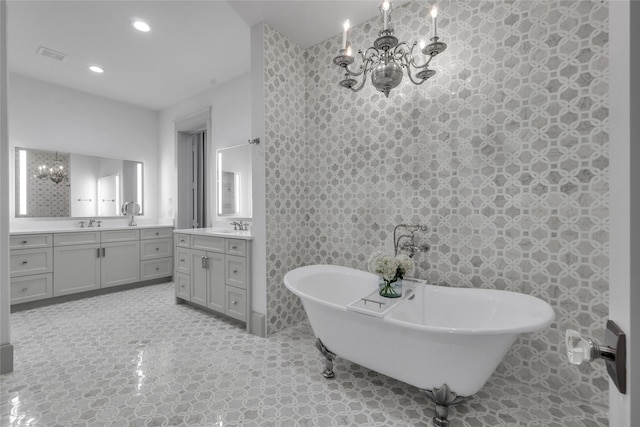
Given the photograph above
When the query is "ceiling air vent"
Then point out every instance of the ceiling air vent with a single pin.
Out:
(51, 54)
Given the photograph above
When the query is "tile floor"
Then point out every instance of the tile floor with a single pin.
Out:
(134, 358)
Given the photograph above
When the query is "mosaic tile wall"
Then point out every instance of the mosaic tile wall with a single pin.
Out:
(45, 198)
(504, 155)
(286, 175)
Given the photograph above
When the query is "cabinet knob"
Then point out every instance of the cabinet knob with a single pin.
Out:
(235, 271)
(157, 268)
(25, 289)
(24, 242)
(157, 249)
(181, 241)
(234, 302)
(157, 234)
(181, 260)
(24, 262)
(234, 247)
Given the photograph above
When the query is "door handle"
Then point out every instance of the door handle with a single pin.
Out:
(204, 262)
(104, 252)
(98, 250)
(614, 352)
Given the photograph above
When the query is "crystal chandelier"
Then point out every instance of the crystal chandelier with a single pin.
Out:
(55, 173)
(387, 57)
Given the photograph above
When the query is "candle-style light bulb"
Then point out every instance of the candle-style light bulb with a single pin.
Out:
(349, 51)
(434, 22)
(346, 26)
(385, 13)
(423, 44)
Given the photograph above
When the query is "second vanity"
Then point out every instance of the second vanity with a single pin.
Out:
(213, 271)
(53, 263)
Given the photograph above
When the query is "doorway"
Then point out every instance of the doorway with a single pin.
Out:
(192, 160)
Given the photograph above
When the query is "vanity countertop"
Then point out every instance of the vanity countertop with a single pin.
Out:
(217, 232)
(79, 229)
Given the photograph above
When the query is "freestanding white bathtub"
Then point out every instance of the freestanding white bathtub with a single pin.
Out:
(440, 336)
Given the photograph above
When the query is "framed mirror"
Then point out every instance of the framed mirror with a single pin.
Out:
(56, 184)
(234, 182)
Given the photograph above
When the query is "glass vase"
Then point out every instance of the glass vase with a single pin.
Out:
(390, 289)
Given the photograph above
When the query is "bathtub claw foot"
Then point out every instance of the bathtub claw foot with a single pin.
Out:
(329, 356)
(443, 397)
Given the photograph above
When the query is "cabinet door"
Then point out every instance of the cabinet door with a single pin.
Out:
(31, 288)
(158, 248)
(30, 261)
(199, 277)
(120, 263)
(236, 303)
(216, 281)
(183, 261)
(183, 286)
(76, 269)
(236, 271)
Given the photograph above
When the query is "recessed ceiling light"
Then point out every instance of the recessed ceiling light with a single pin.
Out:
(141, 26)
(96, 69)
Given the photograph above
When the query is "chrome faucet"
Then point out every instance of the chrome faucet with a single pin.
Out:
(240, 226)
(407, 242)
(91, 222)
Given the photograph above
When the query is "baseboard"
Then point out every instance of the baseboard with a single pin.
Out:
(258, 324)
(6, 358)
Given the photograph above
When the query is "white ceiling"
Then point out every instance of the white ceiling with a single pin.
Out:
(192, 46)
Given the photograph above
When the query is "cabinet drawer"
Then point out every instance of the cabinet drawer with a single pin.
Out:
(207, 243)
(30, 241)
(78, 238)
(182, 240)
(31, 288)
(236, 303)
(160, 248)
(155, 233)
(156, 268)
(183, 286)
(119, 235)
(30, 261)
(183, 261)
(236, 247)
(235, 271)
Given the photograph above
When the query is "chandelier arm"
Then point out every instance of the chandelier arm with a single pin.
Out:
(364, 80)
(423, 66)
(415, 82)
(362, 67)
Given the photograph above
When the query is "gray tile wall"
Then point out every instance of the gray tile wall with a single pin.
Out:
(504, 155)
(286, 173)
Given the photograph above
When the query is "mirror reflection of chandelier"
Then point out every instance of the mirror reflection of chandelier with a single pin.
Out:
(55, 173)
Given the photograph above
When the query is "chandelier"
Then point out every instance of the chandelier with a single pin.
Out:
(55, 173)
(387, 57)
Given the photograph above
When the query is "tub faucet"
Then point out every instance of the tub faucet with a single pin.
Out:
(406, 242)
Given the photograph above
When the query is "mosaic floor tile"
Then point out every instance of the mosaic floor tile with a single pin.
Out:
(134, 358)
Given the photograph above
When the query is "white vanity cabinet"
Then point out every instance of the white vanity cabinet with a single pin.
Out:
(30, 267)
(214, 272)
(156, 253)
(76, 265)
(90, 260)
(62, 263)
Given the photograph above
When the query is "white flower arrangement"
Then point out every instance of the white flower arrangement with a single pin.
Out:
(389, 267)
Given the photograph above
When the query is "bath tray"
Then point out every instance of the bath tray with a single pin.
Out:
(376, 305)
